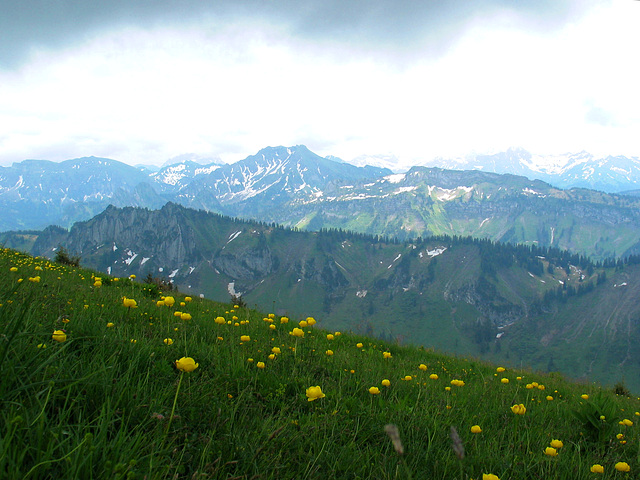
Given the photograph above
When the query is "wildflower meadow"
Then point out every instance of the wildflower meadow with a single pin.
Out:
(110, 378)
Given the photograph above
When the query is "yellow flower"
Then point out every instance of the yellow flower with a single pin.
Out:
(422, 367)
(311, 321)
(284, 320)
(97, 283)
(329, 336)
(169, 301)
(187, 299)
(549, 397)
(329, 352)
(622, 467)
(433, 376)
(500, 369)
(386, 382)
(505, 380)
(314, 393)
(186, 364)
(408, 378)
(245, 338)
(129, 302)
(303, 324)
(359, 345)
(337, 334)
(552, 452)
(626, 422)
(220, 320)
(160, 303)
(185, 316)
(260, 364)
(457, 383)
(168, 341)
(518, 378)
(597, 468)
(620, 436)
(132, 276)
(386, 354)
(374, 390)
(13, 269)
(59, 336)
(276, 350)
(556, 443)
(110, 325)
(489, 476)
(272, 315)
(448, 389)
(519, 409)
(297, 332)
(584, 396)
(272, 327)
(177, 314)
(42, 345)
(182, 304)
(541, 387)
(476, 429)
(34, 279)
(529, 386)
(250, 360)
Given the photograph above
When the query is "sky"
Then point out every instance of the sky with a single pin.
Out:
(143, 81)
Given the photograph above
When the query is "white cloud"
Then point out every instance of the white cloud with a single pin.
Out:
(145, 95)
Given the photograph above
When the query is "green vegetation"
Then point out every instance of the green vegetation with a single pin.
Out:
(91, 388)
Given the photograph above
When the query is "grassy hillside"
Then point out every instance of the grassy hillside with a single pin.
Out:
(94, 386)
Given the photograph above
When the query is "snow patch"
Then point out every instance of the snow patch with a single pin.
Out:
(361, 293)
(173, 274)
(160, 269)
(405, 189)
(131, 258)
(114, 247)
(144, 260)
(191, 269)
(436, 251)
(623, 284)
(231, 288)
(233, 236)
(395, 178)
(394, 260)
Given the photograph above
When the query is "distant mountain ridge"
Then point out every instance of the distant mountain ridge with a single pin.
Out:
(612, 174)
(295, 187)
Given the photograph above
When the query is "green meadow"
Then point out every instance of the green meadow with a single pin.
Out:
(107, 378)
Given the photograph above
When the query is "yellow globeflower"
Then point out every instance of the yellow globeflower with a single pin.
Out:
(186, 364)
(297, 332)
(597, 468)
(549, 397)
(59, 336)
(422, 367)
(303, 324)
(271, 356)
(185, 316)
(359, 345)
(519, 409)
(168, 341)
(433, 376)
(584, 396)
(556, 443)
(160, 303)
(489, 476)
(245, 338)
(374, 390)
(272, 327)
(276, 350)
(13, 269)
(220, 320)
(386, 383)
(476, 429)
(329, 336)
(505, 380)
(311, 321)
(500, 369)
(129, 302)
(110, 325)
(284, 320)
(187, 299)
(260, 364)
(622, 467)
(408, 378)
(169, 301)
(314, 393)
(97, 283)
(329, 352)
(552, 452)
(386, 354)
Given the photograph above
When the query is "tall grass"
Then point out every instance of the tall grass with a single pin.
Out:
(98, 404)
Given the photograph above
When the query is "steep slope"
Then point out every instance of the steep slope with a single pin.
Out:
(458, 295)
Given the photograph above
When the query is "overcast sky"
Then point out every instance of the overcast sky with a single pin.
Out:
(145, 81)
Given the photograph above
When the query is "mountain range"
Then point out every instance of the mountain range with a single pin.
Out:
(297, 188)
(514, 304)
